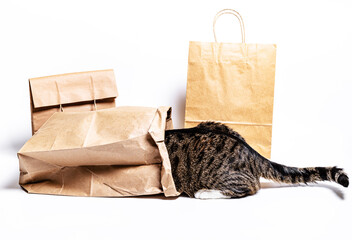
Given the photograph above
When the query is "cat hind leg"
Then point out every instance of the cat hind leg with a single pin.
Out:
(241, 185)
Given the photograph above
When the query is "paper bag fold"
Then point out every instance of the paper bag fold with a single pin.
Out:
(73, 92)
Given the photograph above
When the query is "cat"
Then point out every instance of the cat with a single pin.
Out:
(213, 161)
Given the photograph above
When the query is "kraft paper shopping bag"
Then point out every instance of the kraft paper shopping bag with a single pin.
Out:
(233, 83)
(70, 92)
(111, 152)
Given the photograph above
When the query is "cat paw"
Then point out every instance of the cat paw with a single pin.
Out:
(209, 194)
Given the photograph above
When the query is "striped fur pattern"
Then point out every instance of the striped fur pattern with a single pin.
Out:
(214, 160)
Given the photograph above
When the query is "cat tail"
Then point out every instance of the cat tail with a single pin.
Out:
(281, 173)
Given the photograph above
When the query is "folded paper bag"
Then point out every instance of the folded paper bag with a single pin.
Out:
(74, 92)
(110, 152)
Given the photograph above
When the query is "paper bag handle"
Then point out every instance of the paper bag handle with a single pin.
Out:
(92, 82)
(236, 14)
(93, 92)
(59, 96)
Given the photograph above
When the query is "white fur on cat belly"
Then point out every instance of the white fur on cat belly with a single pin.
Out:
(209, 194)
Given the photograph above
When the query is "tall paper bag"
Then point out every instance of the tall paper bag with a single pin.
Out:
(233, 83)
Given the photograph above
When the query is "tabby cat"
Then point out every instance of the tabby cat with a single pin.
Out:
(213, 161)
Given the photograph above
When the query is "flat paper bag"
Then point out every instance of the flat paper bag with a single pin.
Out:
(233, 83)
(111, 152)
(70, 92)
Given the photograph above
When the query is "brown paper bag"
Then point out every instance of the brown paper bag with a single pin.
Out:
(111, 152)
(233, 83)
(71, 92)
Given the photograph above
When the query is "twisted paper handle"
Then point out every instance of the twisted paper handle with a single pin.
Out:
(59, 96)
(95, 104)
(236, 14)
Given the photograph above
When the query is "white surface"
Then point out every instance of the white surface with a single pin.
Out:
(146, 43)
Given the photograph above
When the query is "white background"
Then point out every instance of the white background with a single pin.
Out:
(146, 43)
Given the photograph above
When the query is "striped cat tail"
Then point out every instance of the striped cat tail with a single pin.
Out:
(281, 173)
